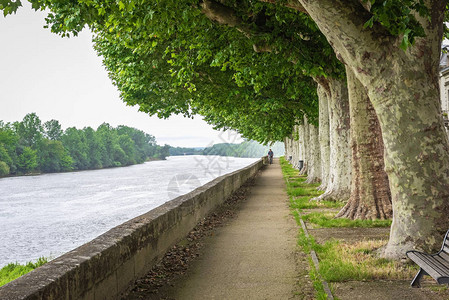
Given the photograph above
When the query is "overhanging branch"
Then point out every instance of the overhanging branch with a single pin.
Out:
(293, 4)
(224, 15)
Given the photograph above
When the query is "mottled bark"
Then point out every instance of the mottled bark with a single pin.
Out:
(370, 191)
(403, 89)
(300, 143)
(291, 149)
(314, 159)
(286, 148)
(324, 139)
(297, 147)
(304, 146)
(339, 185)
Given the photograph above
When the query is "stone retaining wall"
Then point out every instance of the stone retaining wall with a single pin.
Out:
(106, 266)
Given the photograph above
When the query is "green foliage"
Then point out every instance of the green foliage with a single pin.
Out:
(162, 152)
(9, 6)
(399, 18)
(176, 151)
(8, 145)
(53, 157)
(74, 141)
(245, 149)
(29, 130)
(14, 270)
(4, 168)
(167, 57)
(27, 161)
(5, 157)
(28, 146)
(197, 66)
(53, 130)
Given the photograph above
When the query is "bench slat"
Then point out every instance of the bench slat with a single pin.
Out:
(444, 263)
(444, 255)
(429, 264)
(435, 263)
(445, 249)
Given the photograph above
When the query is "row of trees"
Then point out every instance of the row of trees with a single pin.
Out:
(365, 72)
(32, 146)
(244, 149)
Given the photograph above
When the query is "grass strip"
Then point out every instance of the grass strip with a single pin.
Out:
(327, 220)
(359, 261)
(15, 270)
(338, 261)
(301, 193)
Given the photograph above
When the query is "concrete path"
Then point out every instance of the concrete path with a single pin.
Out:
(252, 257)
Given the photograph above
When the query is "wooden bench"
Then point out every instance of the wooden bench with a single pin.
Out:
(435, 265)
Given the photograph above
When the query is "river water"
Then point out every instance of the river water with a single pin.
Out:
(48, 215)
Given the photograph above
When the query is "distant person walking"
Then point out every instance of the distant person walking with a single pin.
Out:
(270, 156)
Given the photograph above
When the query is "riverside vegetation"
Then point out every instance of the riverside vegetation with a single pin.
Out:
(14, 270)
(244, 149)
(32, 147)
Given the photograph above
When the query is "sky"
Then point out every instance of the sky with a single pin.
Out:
(64, 79)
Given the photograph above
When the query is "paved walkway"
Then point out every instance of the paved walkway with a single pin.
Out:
(252, 257)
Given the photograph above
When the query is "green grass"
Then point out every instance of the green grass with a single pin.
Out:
(14, 270)
(301, 194)
(305, 243)
(359, 261)
(305, 203)
(338, 261)
(327, 220)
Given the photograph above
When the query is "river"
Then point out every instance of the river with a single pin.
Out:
(48, 215)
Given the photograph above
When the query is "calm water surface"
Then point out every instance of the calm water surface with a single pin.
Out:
(51, 214)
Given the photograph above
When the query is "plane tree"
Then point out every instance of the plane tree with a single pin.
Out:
(157, 56)
(369, 37)
(393, 48)
(263, 43)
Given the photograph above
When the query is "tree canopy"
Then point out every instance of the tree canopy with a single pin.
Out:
(171, 57)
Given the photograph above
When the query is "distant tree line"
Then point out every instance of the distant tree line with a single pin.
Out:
(175, 151)
(245, 149)
(31, 146)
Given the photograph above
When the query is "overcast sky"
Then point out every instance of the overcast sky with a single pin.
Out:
(63, 79)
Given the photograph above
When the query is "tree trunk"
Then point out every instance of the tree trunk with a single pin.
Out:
(286, 148)
(292, 146)
(370, 191)
(403, 89)
(339, 185)
(324, 136)
(314, 165)
(297, 147)
(300, 144)
(304, 145)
